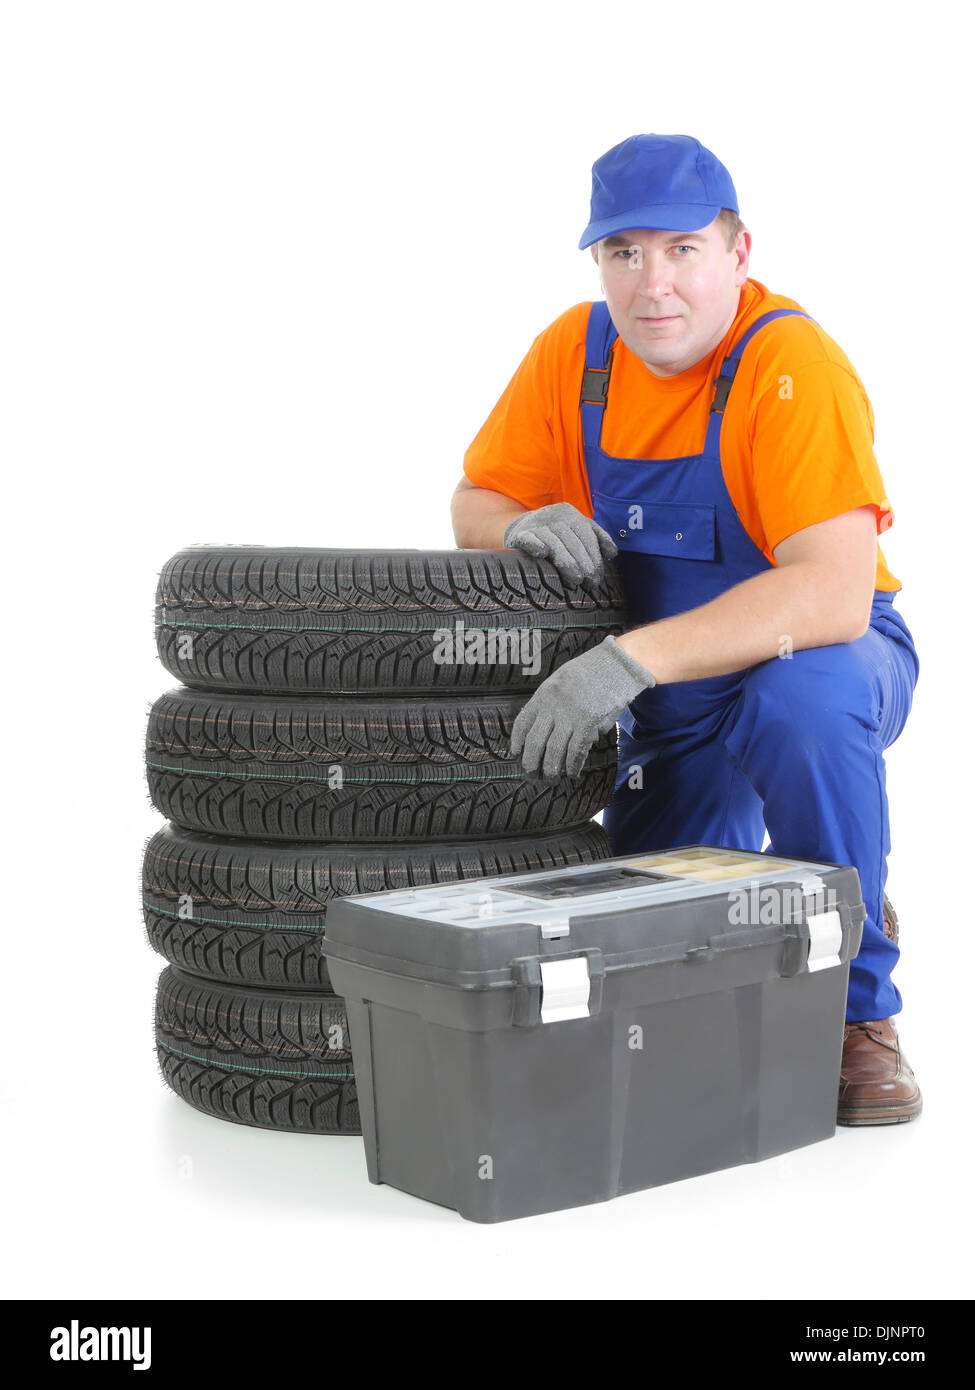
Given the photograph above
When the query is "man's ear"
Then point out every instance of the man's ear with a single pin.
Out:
(595, 252)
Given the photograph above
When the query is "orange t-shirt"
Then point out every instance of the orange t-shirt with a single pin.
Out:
(796, 442)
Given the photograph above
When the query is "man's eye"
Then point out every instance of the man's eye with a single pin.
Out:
(629, 253)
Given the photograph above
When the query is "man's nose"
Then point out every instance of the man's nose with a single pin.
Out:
(654, 274)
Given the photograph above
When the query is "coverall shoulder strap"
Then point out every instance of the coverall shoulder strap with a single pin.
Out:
(729, 366)
(600, 337)
(725, 378)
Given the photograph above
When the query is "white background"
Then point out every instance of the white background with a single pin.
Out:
(266, 268)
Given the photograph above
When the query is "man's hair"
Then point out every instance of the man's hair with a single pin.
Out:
(732, 225)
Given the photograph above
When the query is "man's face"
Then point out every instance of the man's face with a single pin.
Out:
(672, 296)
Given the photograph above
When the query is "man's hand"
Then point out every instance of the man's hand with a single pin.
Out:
(578, 702)
(577, 547)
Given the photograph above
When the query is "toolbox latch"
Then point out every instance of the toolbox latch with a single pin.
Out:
(816, 941)
(554, 927)
(825, 927)
(565, 989)
(825, 940)
(551, 990)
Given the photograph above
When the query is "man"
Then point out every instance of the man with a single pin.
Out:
(716, 441)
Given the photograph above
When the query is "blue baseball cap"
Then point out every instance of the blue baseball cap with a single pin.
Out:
(669, 182)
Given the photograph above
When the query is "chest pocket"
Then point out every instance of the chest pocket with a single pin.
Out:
(684, 530)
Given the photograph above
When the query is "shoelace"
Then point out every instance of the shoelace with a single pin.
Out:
(869, 1027)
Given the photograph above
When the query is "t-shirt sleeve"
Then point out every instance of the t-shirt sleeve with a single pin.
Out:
(812, 452)
(514, 451)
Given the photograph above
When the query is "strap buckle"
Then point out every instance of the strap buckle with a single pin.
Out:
(722, 387)
(595, 385)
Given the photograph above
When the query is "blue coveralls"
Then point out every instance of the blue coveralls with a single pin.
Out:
(792, 745)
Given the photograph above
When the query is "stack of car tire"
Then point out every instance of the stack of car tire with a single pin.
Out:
(342, 727)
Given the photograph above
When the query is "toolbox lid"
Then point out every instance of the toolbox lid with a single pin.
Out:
(645, 903)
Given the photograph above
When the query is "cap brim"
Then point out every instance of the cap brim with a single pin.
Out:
(677, 217)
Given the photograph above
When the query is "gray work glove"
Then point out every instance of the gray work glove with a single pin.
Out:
(578, 702)
(574, 543)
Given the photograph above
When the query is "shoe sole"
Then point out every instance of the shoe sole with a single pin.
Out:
(861, 1116)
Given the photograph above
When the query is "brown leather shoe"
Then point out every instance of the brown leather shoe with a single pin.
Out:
(877, 1087)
